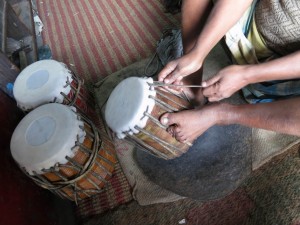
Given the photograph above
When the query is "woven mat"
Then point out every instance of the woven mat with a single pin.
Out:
(116, 192)
(269, 197)
(275, 189)
(185, 211)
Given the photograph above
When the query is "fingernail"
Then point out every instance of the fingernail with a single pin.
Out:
(165, 120)
(166, 81)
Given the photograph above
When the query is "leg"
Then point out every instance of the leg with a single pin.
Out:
(194, 15)
(282, 116)
(187, 125)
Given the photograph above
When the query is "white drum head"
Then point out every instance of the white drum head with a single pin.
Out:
(40, 83)
(45, 136)
(127, 104)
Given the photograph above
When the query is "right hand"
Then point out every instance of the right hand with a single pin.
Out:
(225, 83)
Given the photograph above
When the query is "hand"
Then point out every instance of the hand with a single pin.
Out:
(225, 83)
(175, 70)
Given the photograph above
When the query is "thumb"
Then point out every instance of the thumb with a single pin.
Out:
(210, 81)
(166, 71)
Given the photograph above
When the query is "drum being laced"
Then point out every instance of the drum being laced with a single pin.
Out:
(63, 152)
(133, 111)
(48, 81)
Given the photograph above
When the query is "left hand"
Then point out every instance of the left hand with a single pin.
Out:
(225, 83)
(176, 70)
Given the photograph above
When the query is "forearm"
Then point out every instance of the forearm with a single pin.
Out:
(287, 67)
(223, 16)
(280, 116)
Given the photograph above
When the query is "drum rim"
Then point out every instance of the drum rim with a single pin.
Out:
(59, 74)
(135, 116)
(59, 145)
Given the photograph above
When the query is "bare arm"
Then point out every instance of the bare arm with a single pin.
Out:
(223, 16)
(233, 78)
(284, 68)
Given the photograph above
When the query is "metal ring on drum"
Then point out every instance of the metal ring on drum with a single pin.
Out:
(133, 111)
(63, 151)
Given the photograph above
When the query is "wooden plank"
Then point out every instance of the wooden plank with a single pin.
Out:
(15, 28)
(3, 25)
(34, 55)
(8, 72)
(23, 9)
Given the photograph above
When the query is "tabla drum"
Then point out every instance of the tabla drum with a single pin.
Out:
(48, 81)
(133, 111)
(63, 152)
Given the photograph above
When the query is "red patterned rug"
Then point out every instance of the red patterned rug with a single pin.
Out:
(97, 38)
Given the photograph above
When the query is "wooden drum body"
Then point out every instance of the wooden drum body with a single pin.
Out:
(133, 111)
(63, 152)
(48, 81)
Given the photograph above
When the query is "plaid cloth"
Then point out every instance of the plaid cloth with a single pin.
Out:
(271, 91)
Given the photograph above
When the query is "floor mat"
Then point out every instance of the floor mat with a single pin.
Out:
(116, 192)
(96, 38)
(275, 189)
(270, 196)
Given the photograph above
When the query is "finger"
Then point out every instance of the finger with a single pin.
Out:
(169, 68)
(211, 81)
(178, 81)
(210, 91)
(214, 99)
(173, 77)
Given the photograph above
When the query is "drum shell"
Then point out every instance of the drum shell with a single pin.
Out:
(50, 81)
(92, 182)
(82, 100)
(174, 103)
